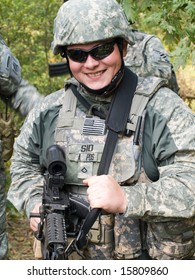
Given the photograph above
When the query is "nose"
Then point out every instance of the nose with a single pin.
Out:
(91, 62)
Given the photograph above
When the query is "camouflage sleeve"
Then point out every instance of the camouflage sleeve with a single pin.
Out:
(169, 132)
(27, 180)
(29, 156)
(158, 61)
(10, 70)
(25, 98)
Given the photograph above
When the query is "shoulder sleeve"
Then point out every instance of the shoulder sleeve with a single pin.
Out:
(158, 61)
(169, 152)
(28, 160)
(25, 98)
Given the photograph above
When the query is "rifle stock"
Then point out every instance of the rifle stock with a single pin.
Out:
(58, 69)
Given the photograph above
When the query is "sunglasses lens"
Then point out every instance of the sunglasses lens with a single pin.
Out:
(77, 55)
(98, 52)
(102, 51)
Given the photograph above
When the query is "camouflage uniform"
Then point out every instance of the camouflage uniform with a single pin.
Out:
(160, 215)
(22, 97)
(148, 57)
(168, 199)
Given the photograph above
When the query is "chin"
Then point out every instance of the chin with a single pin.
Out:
(95, 86)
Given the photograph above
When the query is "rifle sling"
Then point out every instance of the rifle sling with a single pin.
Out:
(117, 117)
(116, 123)
(85, 103)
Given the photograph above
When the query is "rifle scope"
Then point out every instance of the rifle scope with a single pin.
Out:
(56, 160)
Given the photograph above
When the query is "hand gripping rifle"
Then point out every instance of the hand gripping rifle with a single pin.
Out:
(61, 213)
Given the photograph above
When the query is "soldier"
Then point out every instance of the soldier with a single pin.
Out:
(128, 140)
(148, 57)
(21, 96)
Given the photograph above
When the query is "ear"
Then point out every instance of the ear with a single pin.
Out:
(124, 48)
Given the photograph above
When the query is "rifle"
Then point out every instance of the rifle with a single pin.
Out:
(61, 214)
(58, 69)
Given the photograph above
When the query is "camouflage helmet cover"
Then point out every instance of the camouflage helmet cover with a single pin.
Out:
(10, 70)
(86, 21)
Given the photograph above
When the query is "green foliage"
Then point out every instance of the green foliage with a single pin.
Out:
(172, 20)
(27, 27)
(129, 9)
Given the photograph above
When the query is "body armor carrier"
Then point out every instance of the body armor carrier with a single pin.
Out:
(82, 137)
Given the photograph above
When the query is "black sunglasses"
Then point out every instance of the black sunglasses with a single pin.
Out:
(99, 52)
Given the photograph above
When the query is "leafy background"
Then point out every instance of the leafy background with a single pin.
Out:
(27, 27)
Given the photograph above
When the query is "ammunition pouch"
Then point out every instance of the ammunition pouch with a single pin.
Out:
(7, 135)
(102, 231)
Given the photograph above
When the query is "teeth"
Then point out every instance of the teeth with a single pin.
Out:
(95, 74)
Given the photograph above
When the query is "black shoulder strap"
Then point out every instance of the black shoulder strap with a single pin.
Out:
(117, 117)
(85, 103)
(116, 123)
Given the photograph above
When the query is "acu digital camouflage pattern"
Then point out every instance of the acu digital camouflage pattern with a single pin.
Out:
(145, 56)
(85, 21)
(21, 96)
(7, 134)
(126, 243)
(162, 205)
(3, 234)
(23, 101)
(148, 57)
(165, 205)
(8, 85)
(110, 237)
(10, 70)
(26, 97)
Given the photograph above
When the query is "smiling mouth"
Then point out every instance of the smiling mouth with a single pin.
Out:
(99, 73)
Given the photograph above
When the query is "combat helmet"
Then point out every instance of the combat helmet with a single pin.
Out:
(86, 21)
(10, 70)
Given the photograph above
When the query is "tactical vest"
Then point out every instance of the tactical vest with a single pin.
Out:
(82, 138)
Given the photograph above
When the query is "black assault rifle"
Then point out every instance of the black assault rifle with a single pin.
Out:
(61, 214)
